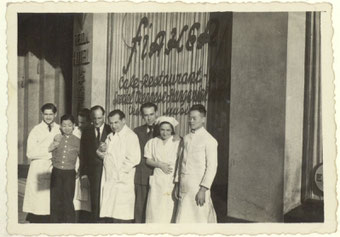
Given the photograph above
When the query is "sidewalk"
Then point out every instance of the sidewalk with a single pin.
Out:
(21, 192)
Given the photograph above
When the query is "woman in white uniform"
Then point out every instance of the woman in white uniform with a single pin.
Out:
(161, 152)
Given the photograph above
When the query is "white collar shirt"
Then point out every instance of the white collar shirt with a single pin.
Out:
(200, 157)
(101, 129)
(39, 140)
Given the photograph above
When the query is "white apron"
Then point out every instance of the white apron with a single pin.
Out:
(188, 211)
(82, 198)
(161, 203)
(37, 190)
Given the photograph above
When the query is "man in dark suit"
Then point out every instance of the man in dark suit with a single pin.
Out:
(91, 166)
(143, 171)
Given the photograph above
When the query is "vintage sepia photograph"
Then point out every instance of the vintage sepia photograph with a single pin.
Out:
(170, 117)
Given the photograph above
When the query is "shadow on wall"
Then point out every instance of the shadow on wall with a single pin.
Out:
(49, 37)
(309, 211)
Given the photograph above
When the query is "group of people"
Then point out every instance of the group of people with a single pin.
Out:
(146, 175)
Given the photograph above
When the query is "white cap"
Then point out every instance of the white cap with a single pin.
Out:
(170, 120)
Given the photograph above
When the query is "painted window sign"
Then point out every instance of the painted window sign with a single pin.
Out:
(161, 58)
(208, 36)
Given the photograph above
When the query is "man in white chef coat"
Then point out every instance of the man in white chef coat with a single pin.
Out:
(37, 191)
(196, 172)
(120, 153)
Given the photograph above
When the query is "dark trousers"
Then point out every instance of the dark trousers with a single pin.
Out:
(141, 192)
(83, 217)
(114, 220)
(95, 176)
(62, 193)
(32, 218)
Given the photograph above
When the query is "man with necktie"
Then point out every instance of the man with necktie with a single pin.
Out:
(91, 166)
(37, 191)
(143, 171)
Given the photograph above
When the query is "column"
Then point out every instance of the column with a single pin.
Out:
(89, 60)
(257, 116)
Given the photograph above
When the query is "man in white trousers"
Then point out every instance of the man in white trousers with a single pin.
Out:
(196, 172)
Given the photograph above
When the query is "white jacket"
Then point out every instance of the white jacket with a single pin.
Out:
(37, 191)
(118, 195)
(198, 168)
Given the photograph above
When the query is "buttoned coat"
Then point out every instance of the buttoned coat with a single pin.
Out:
(123, 154)
(197, 169)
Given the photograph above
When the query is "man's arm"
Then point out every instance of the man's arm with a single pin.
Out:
(178, 167)
(133, 153)
(37, 146)
(137, 131)
(179, 160)
(102, 149)
(211, 164)
(83, 155)
(56, 141)
(210, 172)
(83, 161)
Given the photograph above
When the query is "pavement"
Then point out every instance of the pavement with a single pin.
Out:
(21, 193)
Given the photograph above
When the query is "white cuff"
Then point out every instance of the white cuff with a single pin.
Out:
(84, 176)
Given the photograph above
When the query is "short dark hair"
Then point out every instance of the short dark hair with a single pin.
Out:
(96, 107)
(86, 113)
(148, 105)
(165, 122)
(200, 108)
(49, 106)
(115, 112)
(67, 117)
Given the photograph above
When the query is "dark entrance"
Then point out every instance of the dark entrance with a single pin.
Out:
(219, 106)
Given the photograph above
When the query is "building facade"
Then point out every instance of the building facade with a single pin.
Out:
(252, 71)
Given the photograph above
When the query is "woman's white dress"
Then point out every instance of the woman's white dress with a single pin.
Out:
(161, 202)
